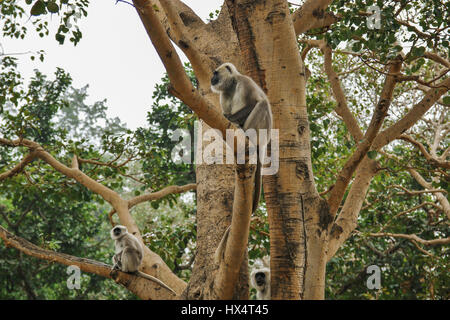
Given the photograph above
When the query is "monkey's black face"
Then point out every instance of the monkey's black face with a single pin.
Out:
(117, 231)
(260, 278)
(215, 78)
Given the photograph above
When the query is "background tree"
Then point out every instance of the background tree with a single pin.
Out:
(389, 101)
(41, 206)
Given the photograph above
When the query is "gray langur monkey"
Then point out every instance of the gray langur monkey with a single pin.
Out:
(128, 254)
(260, 280)
(245, 104)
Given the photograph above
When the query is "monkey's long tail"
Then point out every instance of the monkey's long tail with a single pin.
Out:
(151, 278)
(258, 185)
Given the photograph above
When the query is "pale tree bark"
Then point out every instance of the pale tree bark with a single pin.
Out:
(312, 15)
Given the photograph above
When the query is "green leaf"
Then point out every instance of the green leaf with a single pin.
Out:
(38, 8)
(446, 100)
(392, 38)
(356, 47)
(52, 7)
(418, 52)
(60, 38)
(372, 154)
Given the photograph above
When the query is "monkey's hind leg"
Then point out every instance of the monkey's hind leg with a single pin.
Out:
(260, 118)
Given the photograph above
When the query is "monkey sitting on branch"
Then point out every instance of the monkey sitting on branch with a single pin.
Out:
(245, 104)
(128, 255)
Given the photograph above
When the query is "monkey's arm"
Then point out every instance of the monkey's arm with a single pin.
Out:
(117, 264)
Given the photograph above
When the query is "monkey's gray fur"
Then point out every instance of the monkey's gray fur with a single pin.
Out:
(260, 280)
(128, 254)
(244, 103)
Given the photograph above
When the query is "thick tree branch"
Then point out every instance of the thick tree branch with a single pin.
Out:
(347, 221)
(178, 78)
(142, 287)
(343, 179)
(412, 237)
(237, 239)
(312, 15)
(415, 114)
(342, 108)
(239, 12)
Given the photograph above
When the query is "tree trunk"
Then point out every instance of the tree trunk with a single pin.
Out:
(297, 250)
(215, 194)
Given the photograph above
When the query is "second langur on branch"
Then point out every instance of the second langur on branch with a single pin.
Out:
(245, 104)
(128, 254)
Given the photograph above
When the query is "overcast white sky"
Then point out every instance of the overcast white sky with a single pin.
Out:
(115, 57)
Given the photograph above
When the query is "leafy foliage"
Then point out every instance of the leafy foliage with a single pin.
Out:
(167, 115)
(357, 25)
(13, 13)
(41, 205)
(407, 273)
(45, 208)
